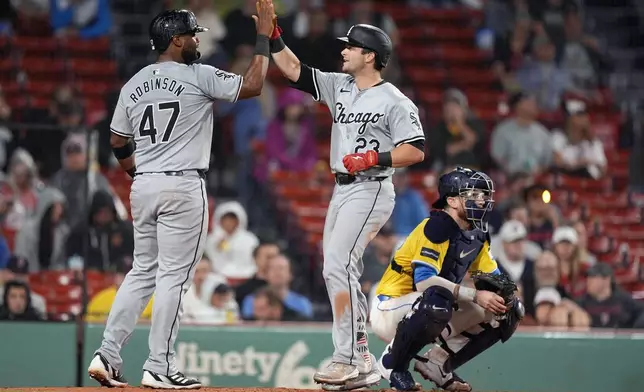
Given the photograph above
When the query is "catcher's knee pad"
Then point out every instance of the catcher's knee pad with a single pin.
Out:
(422, 325)
(487, 338)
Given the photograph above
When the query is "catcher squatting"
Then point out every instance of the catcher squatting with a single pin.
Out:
(420, 300)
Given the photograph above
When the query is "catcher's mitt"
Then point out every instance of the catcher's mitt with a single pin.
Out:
(500, 283)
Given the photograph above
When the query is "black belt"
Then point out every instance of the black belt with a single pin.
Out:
(201, 173)
(346, 179)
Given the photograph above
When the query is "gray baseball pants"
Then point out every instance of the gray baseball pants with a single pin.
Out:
(170, 227)
(356, 213)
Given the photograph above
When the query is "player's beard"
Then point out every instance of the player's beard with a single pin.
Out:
(190, 55)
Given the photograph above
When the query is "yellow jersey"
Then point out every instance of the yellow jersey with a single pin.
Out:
(436, 247)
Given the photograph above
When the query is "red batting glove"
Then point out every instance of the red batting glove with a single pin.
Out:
(277, 31)
(360, 161)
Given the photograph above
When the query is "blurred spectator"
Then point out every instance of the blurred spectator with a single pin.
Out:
(512, 260)
(222, 307)
(459, 138)
(197, 298)
(5, 253)
(16, 304)
(550, 16)
(518, 212)
(30, 15)
(240, 30)
(5, 133)
(262, 254)
(410, 207)
(21, 187)
(607, 304)
(72, 179)
(290, 139)
(299, 23)
(312, 48)
(581, 57)
(577, 151)
(540, 75)
(249, 126)
(83, 18)
(65, 114)
(362, 11)
(520, 143)
(553, 307)
(211, 51)
(278, 279)
(230, 245)
(17, 269)
(42, 239)
(514, 185)
(582, 243)
(266, 305)
(543, 217)
(512, 42)
(377, 257)
(572, 268)
(110, 240)
(99, 306)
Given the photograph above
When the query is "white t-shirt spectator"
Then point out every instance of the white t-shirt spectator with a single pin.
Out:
(589, 150)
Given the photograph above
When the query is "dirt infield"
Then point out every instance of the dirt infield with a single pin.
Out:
(140, 389)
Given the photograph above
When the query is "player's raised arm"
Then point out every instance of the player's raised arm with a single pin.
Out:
(321, 85)
(121, 138)
(253, 80)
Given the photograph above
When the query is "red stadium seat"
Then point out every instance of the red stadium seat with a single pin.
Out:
(43, 89)
(41, 46)
(39, 66)
(79, 47)
(583, 184)
(102, 69)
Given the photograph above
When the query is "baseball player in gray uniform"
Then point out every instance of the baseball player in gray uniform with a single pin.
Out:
(375, 129)
(165, 114)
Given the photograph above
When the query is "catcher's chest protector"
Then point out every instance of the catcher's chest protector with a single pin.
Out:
(463, 250)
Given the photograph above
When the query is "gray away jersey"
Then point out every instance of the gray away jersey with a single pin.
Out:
(379, 118)
(167, 109)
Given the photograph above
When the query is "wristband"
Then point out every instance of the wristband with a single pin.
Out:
(277, 44)
(464, 293)
(384, 159)
(262, 45)
(124, 152)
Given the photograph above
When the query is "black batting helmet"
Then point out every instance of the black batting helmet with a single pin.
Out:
(371, 38)
(170, 23)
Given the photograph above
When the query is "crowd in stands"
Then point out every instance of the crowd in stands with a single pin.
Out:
(551, 70)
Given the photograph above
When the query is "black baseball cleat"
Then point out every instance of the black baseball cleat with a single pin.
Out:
(176, 381)
(101, 371)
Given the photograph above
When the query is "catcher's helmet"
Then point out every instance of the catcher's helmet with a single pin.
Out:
(474, 187)
(372, 38)
(170, 23)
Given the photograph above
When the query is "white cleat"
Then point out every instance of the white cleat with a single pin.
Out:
(101, 371)
(176, 381)
(432, 370)
(336, 374)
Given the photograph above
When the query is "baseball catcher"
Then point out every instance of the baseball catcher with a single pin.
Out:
(420, 300)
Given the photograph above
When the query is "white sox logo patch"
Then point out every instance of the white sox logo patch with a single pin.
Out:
(414, 120)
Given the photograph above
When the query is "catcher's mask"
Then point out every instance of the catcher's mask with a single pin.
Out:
(477, 194)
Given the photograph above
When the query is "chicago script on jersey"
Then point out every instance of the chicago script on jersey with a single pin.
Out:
(355, 118)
